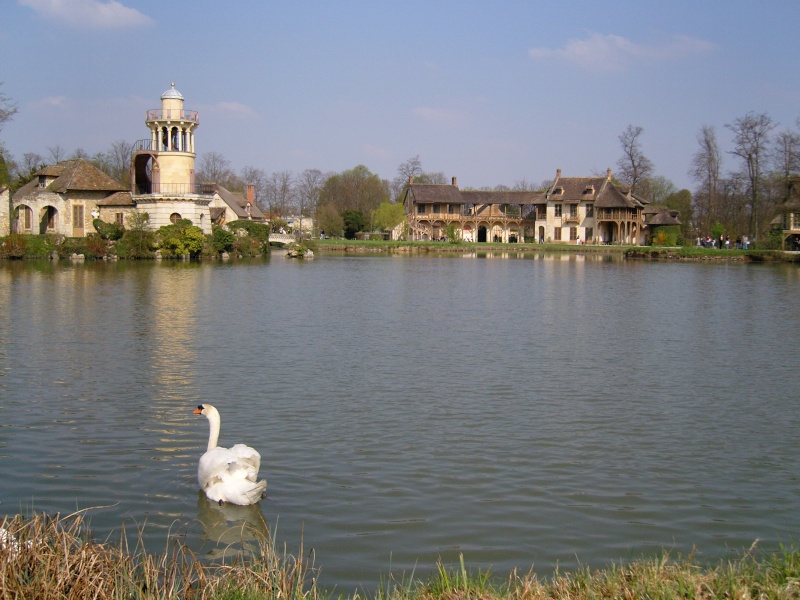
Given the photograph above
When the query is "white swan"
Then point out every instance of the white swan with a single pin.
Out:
(228, 474)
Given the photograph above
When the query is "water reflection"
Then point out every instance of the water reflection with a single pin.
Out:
(231, 530)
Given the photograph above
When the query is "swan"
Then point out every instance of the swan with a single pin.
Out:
(228, 474)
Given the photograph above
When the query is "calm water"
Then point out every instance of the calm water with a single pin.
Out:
(523, 411)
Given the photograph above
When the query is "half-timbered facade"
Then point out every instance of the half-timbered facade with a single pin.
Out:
(476, 216)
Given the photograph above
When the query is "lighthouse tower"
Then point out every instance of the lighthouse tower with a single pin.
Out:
(162, 167)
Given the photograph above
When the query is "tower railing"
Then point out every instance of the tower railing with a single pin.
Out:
(147, 146)
(172, 114)
(174, 189)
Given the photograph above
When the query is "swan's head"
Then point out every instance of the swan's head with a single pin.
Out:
(205, 410)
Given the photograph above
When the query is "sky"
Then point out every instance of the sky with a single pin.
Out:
(492, 93)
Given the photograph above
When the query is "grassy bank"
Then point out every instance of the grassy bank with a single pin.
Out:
(43, 557)
(688, 253)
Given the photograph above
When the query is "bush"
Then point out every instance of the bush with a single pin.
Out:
(108, 231)
(222, 240)
(257, 231)
(181, 238)
(13, 246)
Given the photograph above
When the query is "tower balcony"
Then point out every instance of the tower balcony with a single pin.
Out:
(148, 146)
(173, 190)
(172, 114)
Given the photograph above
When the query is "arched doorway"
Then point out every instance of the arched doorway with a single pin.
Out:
(482, 233)
(48, 219)
(541, 234)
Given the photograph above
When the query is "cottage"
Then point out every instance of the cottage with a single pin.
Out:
(479, 216)
(64, 198)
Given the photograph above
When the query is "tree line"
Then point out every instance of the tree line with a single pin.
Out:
(741, 199)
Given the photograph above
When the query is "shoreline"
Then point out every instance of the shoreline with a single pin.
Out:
(673, 253)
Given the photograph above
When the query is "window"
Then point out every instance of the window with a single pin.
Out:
(590, 210)
(558, 191)
(174, 218)
(420, 209)
(436, 208)
(27, 217)
(77, 216)
(42, 181)
(573, 210)
(557, 234)
(119, 218)
(573, 233)
(451, 209)
(558, 210)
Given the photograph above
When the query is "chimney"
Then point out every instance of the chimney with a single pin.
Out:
(558, 173)
(251, 193)
(608, 173)
(410, 179)
(455, 182)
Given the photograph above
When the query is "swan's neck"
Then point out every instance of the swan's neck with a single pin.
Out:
(213, 434)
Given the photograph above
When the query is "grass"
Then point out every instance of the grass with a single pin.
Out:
(56, 558)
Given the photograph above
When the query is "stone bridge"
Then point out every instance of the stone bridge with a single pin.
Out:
(281, 238)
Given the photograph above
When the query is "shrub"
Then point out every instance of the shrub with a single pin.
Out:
(108, 231)
(181, 238)
(13, 246)
(222, 240)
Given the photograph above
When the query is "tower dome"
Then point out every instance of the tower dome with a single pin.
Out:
(172, 94)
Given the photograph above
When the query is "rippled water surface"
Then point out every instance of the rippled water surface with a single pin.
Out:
(524, 411)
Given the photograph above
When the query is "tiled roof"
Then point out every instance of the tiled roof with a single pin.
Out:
(81, 175)
(430, 193)
(238, 204)
(504, 197)
(576, 189)
(117, 199)
(75, 175)
(437, 193)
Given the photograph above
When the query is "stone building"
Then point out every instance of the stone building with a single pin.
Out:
(64, 199)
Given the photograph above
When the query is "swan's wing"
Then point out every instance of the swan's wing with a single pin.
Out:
(236, 491)
(221, 465)
(247, 455)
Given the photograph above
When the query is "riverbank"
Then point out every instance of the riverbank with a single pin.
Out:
(55, 557)
(690, 253)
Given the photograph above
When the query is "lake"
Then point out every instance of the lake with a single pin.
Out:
(526, 411)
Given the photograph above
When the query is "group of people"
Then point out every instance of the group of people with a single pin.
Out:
(724, 242)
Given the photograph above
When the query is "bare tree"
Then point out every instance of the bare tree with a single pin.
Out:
(751, 139)
(7, 109)
(634, 166)
(56, 153)
(307, 188)
(31, 162)
(279, 193)
(258, 179)
(786, 154)
(213, 167)
(705, 170)
(412, 168)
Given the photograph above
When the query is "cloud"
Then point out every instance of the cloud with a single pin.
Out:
(234, 108)
(439, 116)
(89, 14)
(608, 53)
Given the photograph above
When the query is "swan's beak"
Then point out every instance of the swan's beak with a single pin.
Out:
(198, 410)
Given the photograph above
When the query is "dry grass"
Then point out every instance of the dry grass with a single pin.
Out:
(54, 558)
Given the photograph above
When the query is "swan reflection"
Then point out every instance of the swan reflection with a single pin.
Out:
(231, 529)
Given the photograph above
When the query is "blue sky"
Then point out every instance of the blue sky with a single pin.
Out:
(489, 92)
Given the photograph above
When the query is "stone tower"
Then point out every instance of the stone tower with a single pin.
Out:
(162, 167)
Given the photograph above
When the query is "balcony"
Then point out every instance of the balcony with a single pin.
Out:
(571, 218)
(172, 114)
(174, 189)
(147, 146)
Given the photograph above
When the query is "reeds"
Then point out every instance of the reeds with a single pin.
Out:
(53, 558)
